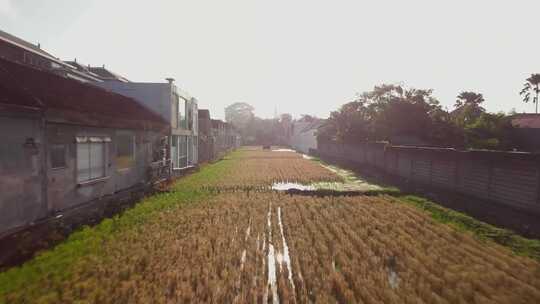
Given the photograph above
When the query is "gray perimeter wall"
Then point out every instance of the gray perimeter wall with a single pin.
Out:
(508, 178)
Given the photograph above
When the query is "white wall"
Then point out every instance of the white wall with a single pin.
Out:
(302, 139)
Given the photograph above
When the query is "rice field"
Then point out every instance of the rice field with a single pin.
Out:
(258, 169)
(271, 247)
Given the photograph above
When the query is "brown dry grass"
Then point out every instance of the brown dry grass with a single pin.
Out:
(341, 250)
(260, 169)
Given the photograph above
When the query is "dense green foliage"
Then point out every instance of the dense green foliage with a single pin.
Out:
(399, 115)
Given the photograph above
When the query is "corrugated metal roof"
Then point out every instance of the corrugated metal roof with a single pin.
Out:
(25, 86)
(106, 74)
(17, 40)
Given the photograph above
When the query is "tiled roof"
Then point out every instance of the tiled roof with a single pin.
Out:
(17, 40)
(28, 87)
(106, 74)
(526, 121)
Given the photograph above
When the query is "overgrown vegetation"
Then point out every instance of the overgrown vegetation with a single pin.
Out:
(484, 231)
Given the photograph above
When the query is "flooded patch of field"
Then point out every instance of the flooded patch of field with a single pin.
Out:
(285, 186)
(358, 186)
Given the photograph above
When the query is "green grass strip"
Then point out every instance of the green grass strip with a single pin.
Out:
(483, 231)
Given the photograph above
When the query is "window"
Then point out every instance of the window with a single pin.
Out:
(182, 151)
(174, 151)
(179, 151)
(58, 156)
(91, 157)
(182, 120)
(125, 150)
(177, 111)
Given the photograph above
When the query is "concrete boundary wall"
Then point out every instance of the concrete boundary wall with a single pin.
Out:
(510, 178)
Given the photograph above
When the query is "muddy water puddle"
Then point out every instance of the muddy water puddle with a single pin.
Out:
(351, 183)
(285, 186)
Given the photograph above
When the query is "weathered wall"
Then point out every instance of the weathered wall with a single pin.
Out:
(30, 189)
(63, 189)
(21, 174)
(503, 177)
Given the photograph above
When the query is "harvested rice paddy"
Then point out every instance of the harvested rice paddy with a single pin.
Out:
(266, 246)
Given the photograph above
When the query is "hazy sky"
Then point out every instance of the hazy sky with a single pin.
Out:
(303, 57)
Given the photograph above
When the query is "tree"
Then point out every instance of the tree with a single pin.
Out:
(239, 114)
(383, 113)
(468, 108)
(469, 98)
(490, 131)
(531, 86)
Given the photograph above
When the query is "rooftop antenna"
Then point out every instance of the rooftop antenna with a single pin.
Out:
(170, 80)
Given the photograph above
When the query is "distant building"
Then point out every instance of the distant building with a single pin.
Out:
(66, 144)
(206, 140)
(526, 131)
(304, 134)
(225, 138)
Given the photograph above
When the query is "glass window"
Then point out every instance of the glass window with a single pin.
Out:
(125, 150)
(58, 156)
(97, 160)
(182, 152)
(178, 112)
(90, 159)
(182, 121)
(83, 162)
(174, 151)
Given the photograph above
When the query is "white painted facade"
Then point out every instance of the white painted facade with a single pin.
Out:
(304, 136)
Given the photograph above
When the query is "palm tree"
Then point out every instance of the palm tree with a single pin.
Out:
(531, 86)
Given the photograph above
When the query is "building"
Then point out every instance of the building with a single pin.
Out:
(15, 49)
(173, 105)
(225, 138)
(304, 134)
(18, 50)
(206, 140)
(526, 131)
(66, 144)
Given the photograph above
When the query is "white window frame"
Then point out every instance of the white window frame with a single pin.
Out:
(88, 141)
(181, 152)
